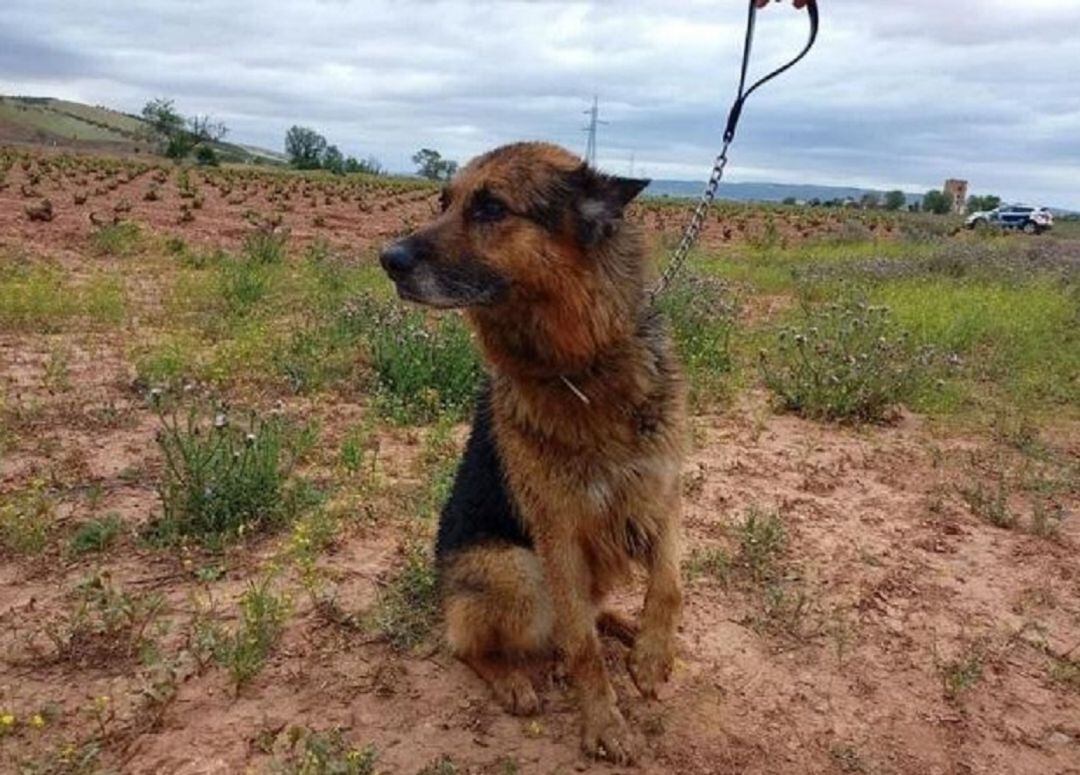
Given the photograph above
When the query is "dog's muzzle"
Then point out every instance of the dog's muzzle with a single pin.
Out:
(418, 277)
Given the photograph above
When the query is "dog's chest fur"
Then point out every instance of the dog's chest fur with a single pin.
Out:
(603, 471)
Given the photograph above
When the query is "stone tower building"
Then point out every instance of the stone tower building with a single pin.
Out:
(957, 190)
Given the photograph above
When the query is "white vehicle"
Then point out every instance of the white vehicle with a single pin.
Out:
(1030, 220)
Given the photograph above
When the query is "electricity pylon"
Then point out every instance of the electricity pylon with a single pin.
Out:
(594, 120)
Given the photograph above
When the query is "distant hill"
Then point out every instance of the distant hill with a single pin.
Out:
(64, 124)
(778, 192)
(764, 192)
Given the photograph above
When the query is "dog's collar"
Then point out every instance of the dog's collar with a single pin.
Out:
(575, 389)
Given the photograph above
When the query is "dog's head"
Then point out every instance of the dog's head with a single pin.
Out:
(518, 224)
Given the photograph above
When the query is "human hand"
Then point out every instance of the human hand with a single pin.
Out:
(798, 3)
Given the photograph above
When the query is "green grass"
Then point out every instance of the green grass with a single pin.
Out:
(1066, 672)
(244, 283)
(318, 322)
(438, 466)
(775, 270)
(317, 355)
(1021, 341)
(703, 316)
(753, 564)
(311, 535)
(424, 366)
(48, 118)
(57, 377)
(26, 519)
(962, 673)
(990, 504)
(44, 299)
(265, 246)
(119, 240)
(762, 539)
(168, 361)
(358, 449)
(96, 535)
(444, 765)
(246, 354)
(1067, 227)
(1002, 314)
(714, 563)
(303, 325)
(322, 753)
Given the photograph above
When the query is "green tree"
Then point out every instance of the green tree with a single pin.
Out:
(895, 200)
(871, 200)
(163, 117)
(207, 156)
(431, 165)
(305, 147)
(982, 203)
(333, 160)
(369, 166)
(180, 136)
(936, 202)
(207, 129)
(179, 145)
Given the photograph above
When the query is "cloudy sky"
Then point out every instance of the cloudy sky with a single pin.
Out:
(897, 94)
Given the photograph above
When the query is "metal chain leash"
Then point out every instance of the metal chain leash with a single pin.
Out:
(693, 228)
(697, 220)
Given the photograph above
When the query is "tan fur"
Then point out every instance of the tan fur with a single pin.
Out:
(596, 483)
(498, 614)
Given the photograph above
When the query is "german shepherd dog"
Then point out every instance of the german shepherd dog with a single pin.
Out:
(570, 478)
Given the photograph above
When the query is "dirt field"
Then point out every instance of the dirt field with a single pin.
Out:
(894, 597)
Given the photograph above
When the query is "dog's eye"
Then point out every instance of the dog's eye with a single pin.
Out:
(488, 209)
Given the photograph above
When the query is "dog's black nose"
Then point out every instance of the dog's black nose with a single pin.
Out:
(398, 258)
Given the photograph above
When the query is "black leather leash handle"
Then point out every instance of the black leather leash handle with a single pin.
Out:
(744, 93)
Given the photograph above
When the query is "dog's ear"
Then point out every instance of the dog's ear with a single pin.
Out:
(600, 200)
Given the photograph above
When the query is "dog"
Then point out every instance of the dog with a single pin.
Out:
(570, 477)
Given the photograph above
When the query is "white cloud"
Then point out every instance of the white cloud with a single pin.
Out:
(895, 93)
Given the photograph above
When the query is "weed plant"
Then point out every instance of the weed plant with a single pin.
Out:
(223, 479)
(844, 361)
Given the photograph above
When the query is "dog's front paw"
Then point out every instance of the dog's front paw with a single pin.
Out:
(606, 735)
(650, 663)
(516, 693)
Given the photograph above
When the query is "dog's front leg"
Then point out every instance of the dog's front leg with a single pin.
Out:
(605, 732)
(653, 655)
